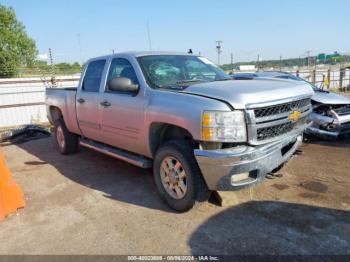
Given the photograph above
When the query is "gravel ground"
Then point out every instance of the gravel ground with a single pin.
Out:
(89, 203)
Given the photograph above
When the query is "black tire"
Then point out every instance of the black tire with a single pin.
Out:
(197, 190)
(71, 142)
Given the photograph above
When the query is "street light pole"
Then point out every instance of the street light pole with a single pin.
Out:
(280, 63)
(218, 50)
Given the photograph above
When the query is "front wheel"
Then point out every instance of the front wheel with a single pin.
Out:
(178, 177)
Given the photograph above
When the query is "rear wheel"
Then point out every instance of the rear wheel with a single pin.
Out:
(178, 177)
(66, 141)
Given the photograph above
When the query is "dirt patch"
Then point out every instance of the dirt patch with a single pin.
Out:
(280, 186)
(315, 186)
(308, 195)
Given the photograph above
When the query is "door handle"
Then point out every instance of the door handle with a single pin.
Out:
(105, 104)
(81, 100)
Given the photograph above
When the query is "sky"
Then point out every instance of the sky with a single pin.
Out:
(76, 30)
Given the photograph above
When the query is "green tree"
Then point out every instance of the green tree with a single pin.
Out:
(16, 47)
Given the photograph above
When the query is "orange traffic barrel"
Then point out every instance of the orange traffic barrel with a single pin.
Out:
(11, 195)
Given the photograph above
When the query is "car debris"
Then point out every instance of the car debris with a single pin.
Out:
(331, 115)
(23, 134)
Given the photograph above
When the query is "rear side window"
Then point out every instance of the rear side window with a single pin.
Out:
(93, 76)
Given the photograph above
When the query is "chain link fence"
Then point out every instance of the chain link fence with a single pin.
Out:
(327, 78)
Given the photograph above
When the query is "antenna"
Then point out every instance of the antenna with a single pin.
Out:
(80, 50)
(53, 79)
(149, 37)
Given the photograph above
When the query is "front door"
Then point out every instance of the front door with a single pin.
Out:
(88, 101)
(123, 113)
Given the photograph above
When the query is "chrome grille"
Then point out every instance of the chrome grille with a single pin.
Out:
(272, 121)
(281, 108)
(277, 130)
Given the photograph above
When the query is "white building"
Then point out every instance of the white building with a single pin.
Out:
(247, 68)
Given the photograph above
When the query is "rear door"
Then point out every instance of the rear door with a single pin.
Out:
(88, 99)
(123, 117)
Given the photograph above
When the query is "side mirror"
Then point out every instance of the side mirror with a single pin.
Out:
(122, 84)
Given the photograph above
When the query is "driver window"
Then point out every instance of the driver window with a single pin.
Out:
(121, 67)
(198, 70)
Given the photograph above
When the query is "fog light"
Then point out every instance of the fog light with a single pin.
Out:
(239, 177)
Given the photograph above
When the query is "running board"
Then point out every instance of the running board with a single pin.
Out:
(117, 153)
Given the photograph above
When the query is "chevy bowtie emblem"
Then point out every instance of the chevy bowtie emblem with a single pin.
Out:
(294, 116)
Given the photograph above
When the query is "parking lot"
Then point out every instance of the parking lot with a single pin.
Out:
(89, 203)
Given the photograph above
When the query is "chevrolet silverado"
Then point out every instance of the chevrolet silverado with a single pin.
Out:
(184, 116)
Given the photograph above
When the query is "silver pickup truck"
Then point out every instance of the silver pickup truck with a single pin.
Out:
(183, 115)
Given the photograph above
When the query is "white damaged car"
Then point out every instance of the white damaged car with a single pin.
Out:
(331, 115)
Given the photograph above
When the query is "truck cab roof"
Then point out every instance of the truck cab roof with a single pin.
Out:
(141, 53)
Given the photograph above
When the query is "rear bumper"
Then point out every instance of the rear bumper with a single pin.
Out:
(219, 166)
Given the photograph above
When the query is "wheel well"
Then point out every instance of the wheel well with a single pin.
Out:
(55, 113)
(161, 133)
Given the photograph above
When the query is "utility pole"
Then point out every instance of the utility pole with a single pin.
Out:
(308, 58)
(218, 50)
(113, 51)
(257, 62)
(232, 62)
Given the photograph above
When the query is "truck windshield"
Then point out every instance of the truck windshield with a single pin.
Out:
(179, 71)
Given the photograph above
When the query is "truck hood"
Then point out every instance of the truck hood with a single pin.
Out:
(330, 98)
(241, 93)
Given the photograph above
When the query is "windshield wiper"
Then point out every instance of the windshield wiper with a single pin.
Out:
(179, 85)
(175, 87)
(181, 82)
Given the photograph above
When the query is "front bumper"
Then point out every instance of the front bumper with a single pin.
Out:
(328, 127)
(218, 166)
(328, 134)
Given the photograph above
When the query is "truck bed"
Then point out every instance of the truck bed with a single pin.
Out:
(64, 100)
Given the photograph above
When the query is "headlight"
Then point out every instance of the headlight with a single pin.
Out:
(224, 126)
